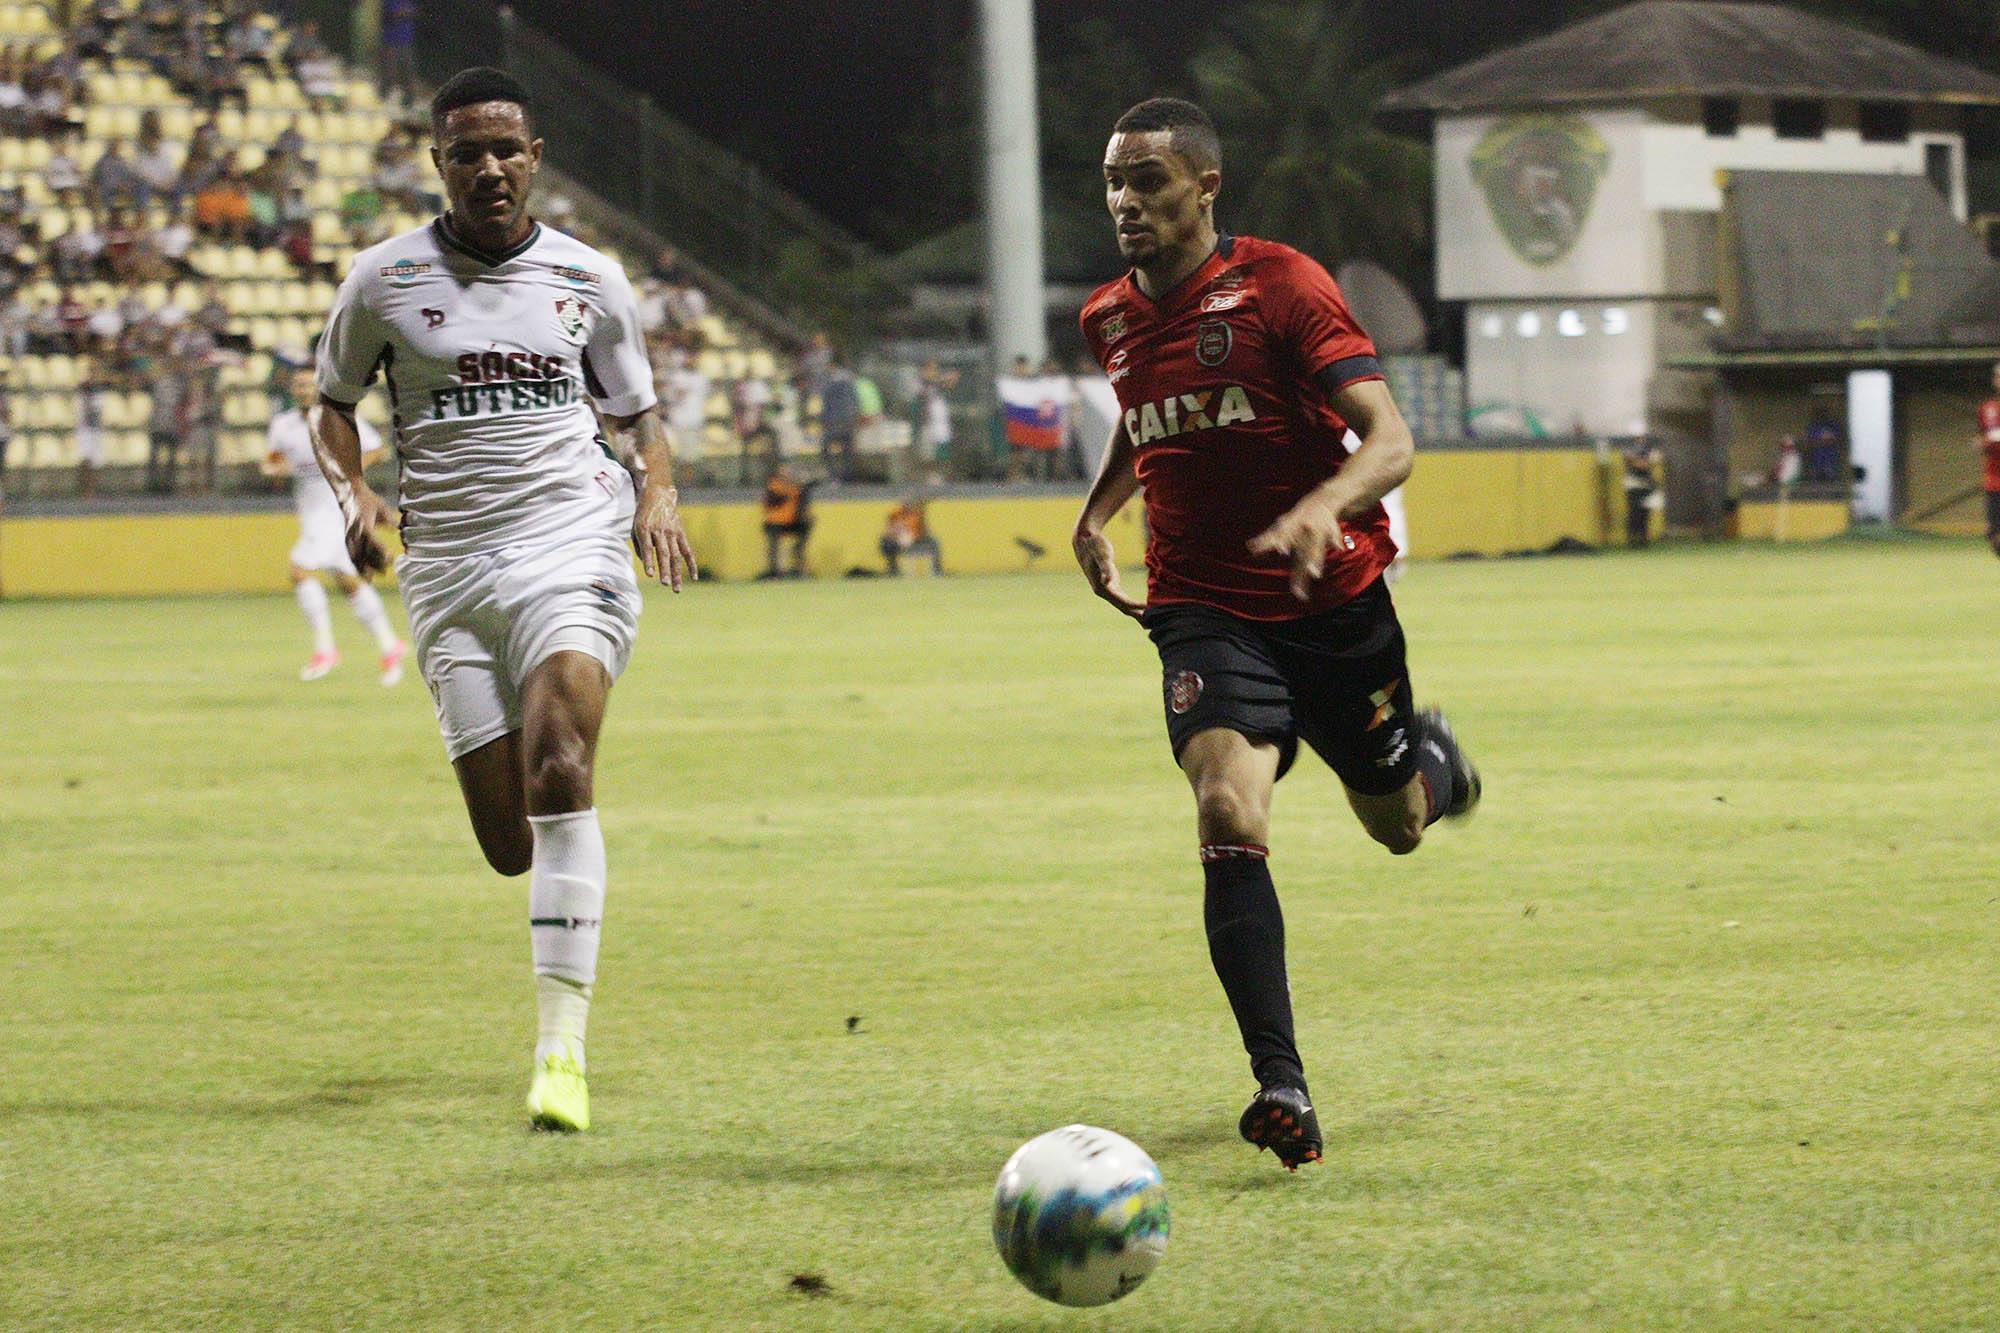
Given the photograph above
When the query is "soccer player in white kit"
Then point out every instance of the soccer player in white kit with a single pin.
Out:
(322, 543)
(495, 335)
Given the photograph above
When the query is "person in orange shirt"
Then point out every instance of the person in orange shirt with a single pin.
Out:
(908, 532)
(1989, 445)
(787, 513)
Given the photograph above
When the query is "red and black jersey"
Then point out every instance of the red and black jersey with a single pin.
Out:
(1226, 385)
(1989, 435)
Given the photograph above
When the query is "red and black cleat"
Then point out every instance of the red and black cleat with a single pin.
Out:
(1282, 1120)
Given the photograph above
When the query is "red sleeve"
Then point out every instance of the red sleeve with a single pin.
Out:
(1310, 317)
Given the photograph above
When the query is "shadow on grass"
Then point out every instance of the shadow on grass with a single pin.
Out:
(323, 1099)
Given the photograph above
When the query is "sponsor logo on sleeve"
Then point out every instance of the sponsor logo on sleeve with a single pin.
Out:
(583, 277)
(1216, 302)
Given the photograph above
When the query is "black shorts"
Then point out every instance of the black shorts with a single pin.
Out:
(1993, 513)
(1336, 680)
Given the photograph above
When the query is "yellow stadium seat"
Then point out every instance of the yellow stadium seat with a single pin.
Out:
(735, 364)
(132, 88)
(13, 155)
(50, 451)
(241, 261)
(264, 332)
(258, 90)
(55, 223)
(762, 364)
(36, 21)
(125, 448)
(103, 87)
(35, 154)
(158, 91)
(709, 363)
(230, 121)
(273, 264)
(177, 123)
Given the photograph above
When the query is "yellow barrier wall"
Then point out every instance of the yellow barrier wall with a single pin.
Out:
(1803, 521)
(1487, 501)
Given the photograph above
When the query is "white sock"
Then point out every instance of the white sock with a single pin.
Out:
(565, 908)
(368, 609)
(312, 601)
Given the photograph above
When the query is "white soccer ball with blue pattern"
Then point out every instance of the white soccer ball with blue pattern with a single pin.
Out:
(1080, 1215)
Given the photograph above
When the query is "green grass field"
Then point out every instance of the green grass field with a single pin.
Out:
(1694, 1026)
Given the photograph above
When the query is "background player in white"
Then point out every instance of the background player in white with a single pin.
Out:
(322, 543)
(496, 336)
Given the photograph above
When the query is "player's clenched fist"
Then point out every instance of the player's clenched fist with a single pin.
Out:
(1304, 534)
(366, 511)
(1093, 552)
(660, 539)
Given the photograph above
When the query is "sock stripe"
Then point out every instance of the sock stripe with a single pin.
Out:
(1233, 851)
(566, 922)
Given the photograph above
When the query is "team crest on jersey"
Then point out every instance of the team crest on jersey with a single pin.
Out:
(1183, 691)
(1111, 330)
(581, 276)
(404, 271)
(1217, 302)
(569, 314)
(1212, 341)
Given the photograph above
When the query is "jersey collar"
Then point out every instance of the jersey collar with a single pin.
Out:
(1218, 259)
(449, 239)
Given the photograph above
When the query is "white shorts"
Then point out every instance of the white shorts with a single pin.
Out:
(481, 623)
(322, 542)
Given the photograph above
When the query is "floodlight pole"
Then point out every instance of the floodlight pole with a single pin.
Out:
(1016, 321)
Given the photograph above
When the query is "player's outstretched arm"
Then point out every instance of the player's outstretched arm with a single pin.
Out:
(1306, 531)
(657, 533)
(336, 441)
(1116, 484)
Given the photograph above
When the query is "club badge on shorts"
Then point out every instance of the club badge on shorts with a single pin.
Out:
(1212, 341)
(1183, 690)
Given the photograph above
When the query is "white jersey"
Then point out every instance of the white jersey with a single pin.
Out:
(290, 438)
(488, 360)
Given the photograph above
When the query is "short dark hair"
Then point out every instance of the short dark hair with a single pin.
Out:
(1193, 131)
(481, 83)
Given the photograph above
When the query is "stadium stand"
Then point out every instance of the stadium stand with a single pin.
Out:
(182, 182)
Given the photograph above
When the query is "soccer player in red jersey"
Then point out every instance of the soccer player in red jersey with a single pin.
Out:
(1240, 371)
(1989, 443)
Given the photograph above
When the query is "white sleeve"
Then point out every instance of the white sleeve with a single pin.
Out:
(616, 369)
(352, 346)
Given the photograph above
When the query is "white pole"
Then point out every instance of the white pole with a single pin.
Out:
(1016, 319)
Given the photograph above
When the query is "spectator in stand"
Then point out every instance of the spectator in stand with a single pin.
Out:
(816, 364)
(868, 407)
(687, 304)
(750, 404)
(222, 80)
(222, 207)
(204, 416)
(77, 253)
(684, 394)
(839, 419)
(399, 49)
(787, 507)
(14, 113)
(63, 177)
(295, 218)
(115, 180)
(652, 297)
(399, 175)
(13, 245)
(15, 318)
(934, 412)
(51, 89)
(291, 143)
(47, 334)
(154, 159)
(174, 240)
(166, 427)
(97, 30)
(92, 392)
(251, 42)
(212, 315)
(908, 532)
(315, 69)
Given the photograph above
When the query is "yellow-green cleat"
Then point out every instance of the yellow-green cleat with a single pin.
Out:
(559, 1099)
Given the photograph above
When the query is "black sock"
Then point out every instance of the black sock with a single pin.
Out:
(1246, 942)
(1434, 767)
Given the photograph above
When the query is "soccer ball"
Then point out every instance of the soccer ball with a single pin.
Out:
(1080, 1215)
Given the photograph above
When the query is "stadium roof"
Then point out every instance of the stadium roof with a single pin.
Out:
(1820, 257)
(1687, 48)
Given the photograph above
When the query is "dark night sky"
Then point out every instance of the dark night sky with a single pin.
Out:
(819, 92)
